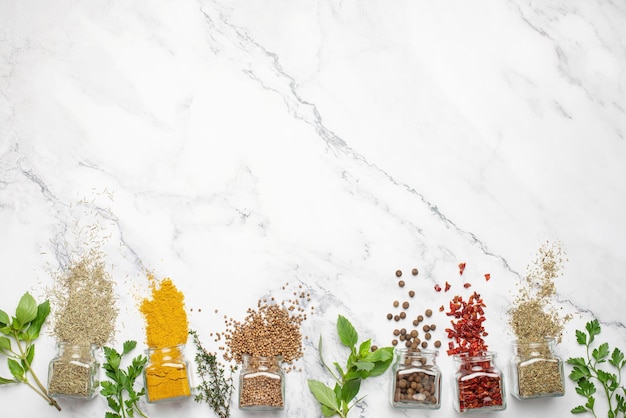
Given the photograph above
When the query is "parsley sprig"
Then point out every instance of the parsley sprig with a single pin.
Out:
(361, 364)
(587, 370)
(122, 381)
(18, 343)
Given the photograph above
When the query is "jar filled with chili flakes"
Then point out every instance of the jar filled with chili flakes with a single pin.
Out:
(479, 383)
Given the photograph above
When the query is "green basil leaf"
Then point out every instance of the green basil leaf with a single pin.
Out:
(324, 395)
(4, 318)
(328, 412)
(43, 310)
(5, 344)
(26, 309)
(364, 348)
(364, 365)
(350, 389)
(16, 369)
(4, 381)
(347, 333)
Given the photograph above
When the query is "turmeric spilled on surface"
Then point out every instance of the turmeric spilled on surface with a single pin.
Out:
(166, 375)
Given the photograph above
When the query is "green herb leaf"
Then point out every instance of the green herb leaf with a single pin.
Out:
(28, 360)
(590, 402)
(581, 337)
(577, 361)
(324, 395)
(26, 309)
(364, 348)
(43, 310)
(350, 389)
(4, 318)
(111, 415)
(579, 372)
(593, 328)
(4, 381)
(600, 353)
(128, 347)
(585, 388)
(579, 410)
(16, 369)
(5, 344)
(617, 358)
(347, 333)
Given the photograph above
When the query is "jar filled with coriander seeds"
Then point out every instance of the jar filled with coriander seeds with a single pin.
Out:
(261, 383)
(73, 372)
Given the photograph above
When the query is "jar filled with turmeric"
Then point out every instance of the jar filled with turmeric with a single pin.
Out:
(261, 383)
(166, 375)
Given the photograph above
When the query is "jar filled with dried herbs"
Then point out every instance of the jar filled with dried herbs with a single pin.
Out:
(167, 374)
(536, 371)
(73, 371)
(417, 379)
(261, 383)
(479, 383)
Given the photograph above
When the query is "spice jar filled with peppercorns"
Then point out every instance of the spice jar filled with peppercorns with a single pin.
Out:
(479, 383)
(261, 383)
(536, 372)
(417, 380)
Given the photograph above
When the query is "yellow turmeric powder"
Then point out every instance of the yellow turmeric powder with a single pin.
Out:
(164, 314)
(166, 375)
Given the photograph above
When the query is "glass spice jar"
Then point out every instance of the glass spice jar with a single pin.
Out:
(479, 383)
(261, 383)
(73, 372)
(166, 375)
(416, 379)
(536, 372)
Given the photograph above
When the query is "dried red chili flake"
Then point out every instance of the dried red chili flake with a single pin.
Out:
(466, 285)
(467, 329)
(447, 287)
(487, 276)
(441, 308)
(461, 268)
(479, 392)
(437, 288)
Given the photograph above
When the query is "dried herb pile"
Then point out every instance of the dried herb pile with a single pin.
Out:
(84, 314)
(534, 314)
(83, 302)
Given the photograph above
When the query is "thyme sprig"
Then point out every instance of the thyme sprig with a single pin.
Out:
(587, 370)
(216, 388)
(18, 344)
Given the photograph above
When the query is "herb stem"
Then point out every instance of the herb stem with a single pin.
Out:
(43, 392)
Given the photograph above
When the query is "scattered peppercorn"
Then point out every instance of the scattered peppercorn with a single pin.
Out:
(437, 343)
(389, 316)
(396, 303)
(402, 315)
(401, 283)
(398, 273)
(428, 312)
(411, 293)
(433, 327)
(405, 305)
(426, 328)
(414, 272)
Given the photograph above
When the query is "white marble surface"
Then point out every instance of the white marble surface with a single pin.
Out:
(235, 146)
